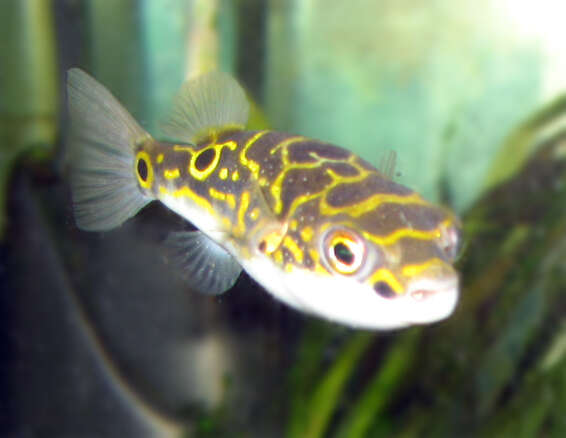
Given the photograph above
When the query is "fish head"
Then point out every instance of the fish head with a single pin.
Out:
(369, 281)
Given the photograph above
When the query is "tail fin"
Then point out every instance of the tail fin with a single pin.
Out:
(101, 152)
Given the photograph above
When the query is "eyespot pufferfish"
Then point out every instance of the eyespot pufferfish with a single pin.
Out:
(315, 225)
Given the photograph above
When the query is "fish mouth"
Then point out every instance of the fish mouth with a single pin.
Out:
(432, 300)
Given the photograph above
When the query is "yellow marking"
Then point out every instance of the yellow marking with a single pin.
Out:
(226, 197)
(288, 267)
(293, 225)
(160, 158)
(278, 256)
(223, 174)
(285, 144)
(292, 246)
(171, 174)
(226, 222)
(318, 268)
(251, 164)
(201, 175)
(307, 233)
(336, 180)
(276, 187)
(235, 175)
(353, 210)
(405, 232)
(370, 204)
(416, 269)
(273, 239)
(213, 134)
(186, 192)
(179, 148)
(387, 276)
(240, 228)
(263, 182)
(254, 214)
(144, 156)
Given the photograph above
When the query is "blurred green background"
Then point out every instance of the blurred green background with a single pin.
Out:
(99, 339)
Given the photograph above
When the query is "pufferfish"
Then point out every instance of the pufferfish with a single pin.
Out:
(315, 225)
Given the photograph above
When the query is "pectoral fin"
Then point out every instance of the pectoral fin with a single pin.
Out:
(208, 267)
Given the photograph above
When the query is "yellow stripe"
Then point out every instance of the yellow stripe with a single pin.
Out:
(227, 197)
(223, 174)
(251, 164)
(292, 246)
(179, 148)
(417, 269)
(387, 276)
(186, 192)
(370, 204)
(406, 232)
(240, 229)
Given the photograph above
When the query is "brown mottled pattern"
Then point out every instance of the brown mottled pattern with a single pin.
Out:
(355, 192)
(418, 251)
(260, 152)
(290, 168)
(343, 169)
(302, 182)
(389, 217)
(309, 151)
(287, 256)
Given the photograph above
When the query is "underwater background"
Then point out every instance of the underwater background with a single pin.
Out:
(100, 338)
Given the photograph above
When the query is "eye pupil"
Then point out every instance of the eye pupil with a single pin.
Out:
(383, 289)
(142, 169)
(343, 253)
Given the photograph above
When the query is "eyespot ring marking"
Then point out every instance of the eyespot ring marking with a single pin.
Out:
(144, 169)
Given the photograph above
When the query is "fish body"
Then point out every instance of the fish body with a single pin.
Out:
(317, 226)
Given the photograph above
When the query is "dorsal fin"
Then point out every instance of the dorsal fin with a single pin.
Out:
(388, 163)
(211, 102)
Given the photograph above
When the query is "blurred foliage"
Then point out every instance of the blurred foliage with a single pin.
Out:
(28, 86)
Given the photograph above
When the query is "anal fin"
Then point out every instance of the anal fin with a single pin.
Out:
(209, 268)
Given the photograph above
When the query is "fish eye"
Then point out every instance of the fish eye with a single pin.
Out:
(384, 290)
(345, 251)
